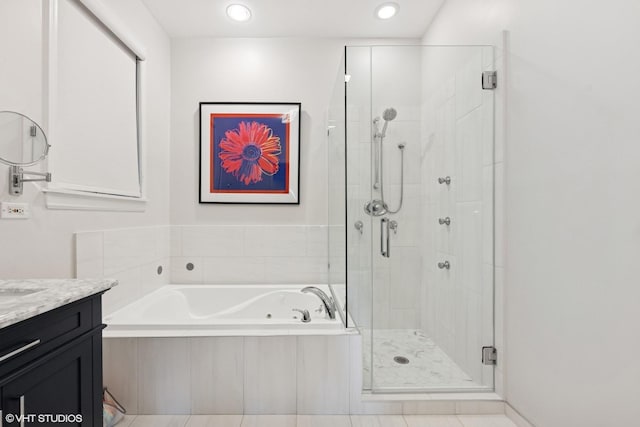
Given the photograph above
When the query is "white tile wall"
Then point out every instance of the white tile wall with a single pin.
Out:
(217, 375)
(249, 254)
(120, 370)
(257, 375)
(269, 375)
(163, 376)
(131, 255)
(322, 375)
(458, 141)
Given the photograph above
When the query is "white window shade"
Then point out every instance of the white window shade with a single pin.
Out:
(93, 117)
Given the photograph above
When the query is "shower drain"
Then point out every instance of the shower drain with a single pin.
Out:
(401, 360)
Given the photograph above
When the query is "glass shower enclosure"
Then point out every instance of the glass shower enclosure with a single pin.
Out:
(411, 170)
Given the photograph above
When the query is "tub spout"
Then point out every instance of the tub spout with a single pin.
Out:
(328, 303)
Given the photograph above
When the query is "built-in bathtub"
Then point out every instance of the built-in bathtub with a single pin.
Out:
(224, 310)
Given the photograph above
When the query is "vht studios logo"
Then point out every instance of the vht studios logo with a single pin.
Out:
(43, 418)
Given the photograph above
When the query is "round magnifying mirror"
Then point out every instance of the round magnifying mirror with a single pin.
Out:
(22, 141)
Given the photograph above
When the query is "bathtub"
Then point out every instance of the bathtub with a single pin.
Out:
(223, 310)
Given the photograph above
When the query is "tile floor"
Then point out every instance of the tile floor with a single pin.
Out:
(428, 365)
(316, 421)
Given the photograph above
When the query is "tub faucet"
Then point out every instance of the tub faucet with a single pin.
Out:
(326, 300)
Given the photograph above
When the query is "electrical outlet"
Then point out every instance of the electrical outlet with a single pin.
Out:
(15, 210)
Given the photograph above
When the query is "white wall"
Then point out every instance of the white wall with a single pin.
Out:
(43, 246)
(251, 70)
(572, 210)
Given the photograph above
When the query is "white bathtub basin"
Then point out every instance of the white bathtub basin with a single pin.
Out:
(223, 310)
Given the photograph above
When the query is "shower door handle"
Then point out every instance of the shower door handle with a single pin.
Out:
(384, 238)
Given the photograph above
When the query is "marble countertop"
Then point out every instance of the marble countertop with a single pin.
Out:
(23, 299)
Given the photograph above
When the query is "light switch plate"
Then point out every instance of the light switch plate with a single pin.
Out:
(10, 210)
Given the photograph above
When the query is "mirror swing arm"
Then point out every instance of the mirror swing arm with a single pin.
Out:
(16, 179)
(11, 127)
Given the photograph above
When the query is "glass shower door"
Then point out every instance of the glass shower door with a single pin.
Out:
(420, 181)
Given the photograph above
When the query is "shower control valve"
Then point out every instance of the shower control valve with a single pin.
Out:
(444, 221)
(444, 265)
(393, 225)
(445, 180)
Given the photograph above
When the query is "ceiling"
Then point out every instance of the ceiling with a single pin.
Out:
(293, 18)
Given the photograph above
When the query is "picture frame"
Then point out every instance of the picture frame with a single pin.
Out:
(250, 152)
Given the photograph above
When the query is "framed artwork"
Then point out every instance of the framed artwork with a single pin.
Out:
(249, 152)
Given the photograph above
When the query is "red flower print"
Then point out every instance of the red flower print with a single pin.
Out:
(249, 151)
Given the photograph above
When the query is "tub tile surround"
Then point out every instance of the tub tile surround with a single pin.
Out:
(256, 254)
(130, 255)
(286, 375)
(220, 254)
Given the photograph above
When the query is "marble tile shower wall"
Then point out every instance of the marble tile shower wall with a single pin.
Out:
(457, 141)
(256, 254)
(137, 257)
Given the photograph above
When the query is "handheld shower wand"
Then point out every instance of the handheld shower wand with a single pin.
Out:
(388, 115)
(380, 207)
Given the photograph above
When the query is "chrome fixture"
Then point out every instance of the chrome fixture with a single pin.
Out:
(23, 143)
(445, 180)
(329, 305)
(359, 225)
(444, 221)
(444, 265)
(16, 179)
(306, 317)
(388, 115)
(489, 80)
(375, 208)
(380, 207)
(376, 154)
(385, 249)
(393, 225)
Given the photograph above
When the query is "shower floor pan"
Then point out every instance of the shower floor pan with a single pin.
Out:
(408, 360)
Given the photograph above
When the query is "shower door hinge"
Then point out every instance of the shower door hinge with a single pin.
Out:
(489, 80)
(489, 356)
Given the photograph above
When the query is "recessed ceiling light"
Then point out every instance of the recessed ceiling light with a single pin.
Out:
(387, 10)
(239, 12)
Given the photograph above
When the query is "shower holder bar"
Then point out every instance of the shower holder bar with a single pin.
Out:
(444, 221)
(445, 180)
(444, 265)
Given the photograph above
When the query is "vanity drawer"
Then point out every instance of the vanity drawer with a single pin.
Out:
(25, 341)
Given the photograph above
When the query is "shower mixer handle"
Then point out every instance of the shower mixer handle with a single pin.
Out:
(444, 221)
(385, 225)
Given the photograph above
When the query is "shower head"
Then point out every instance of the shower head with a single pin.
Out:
(388, 115)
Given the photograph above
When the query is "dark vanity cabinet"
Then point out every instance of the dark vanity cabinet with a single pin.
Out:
(51, 372)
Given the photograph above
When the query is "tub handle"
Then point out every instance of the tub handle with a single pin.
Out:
(306, 317)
